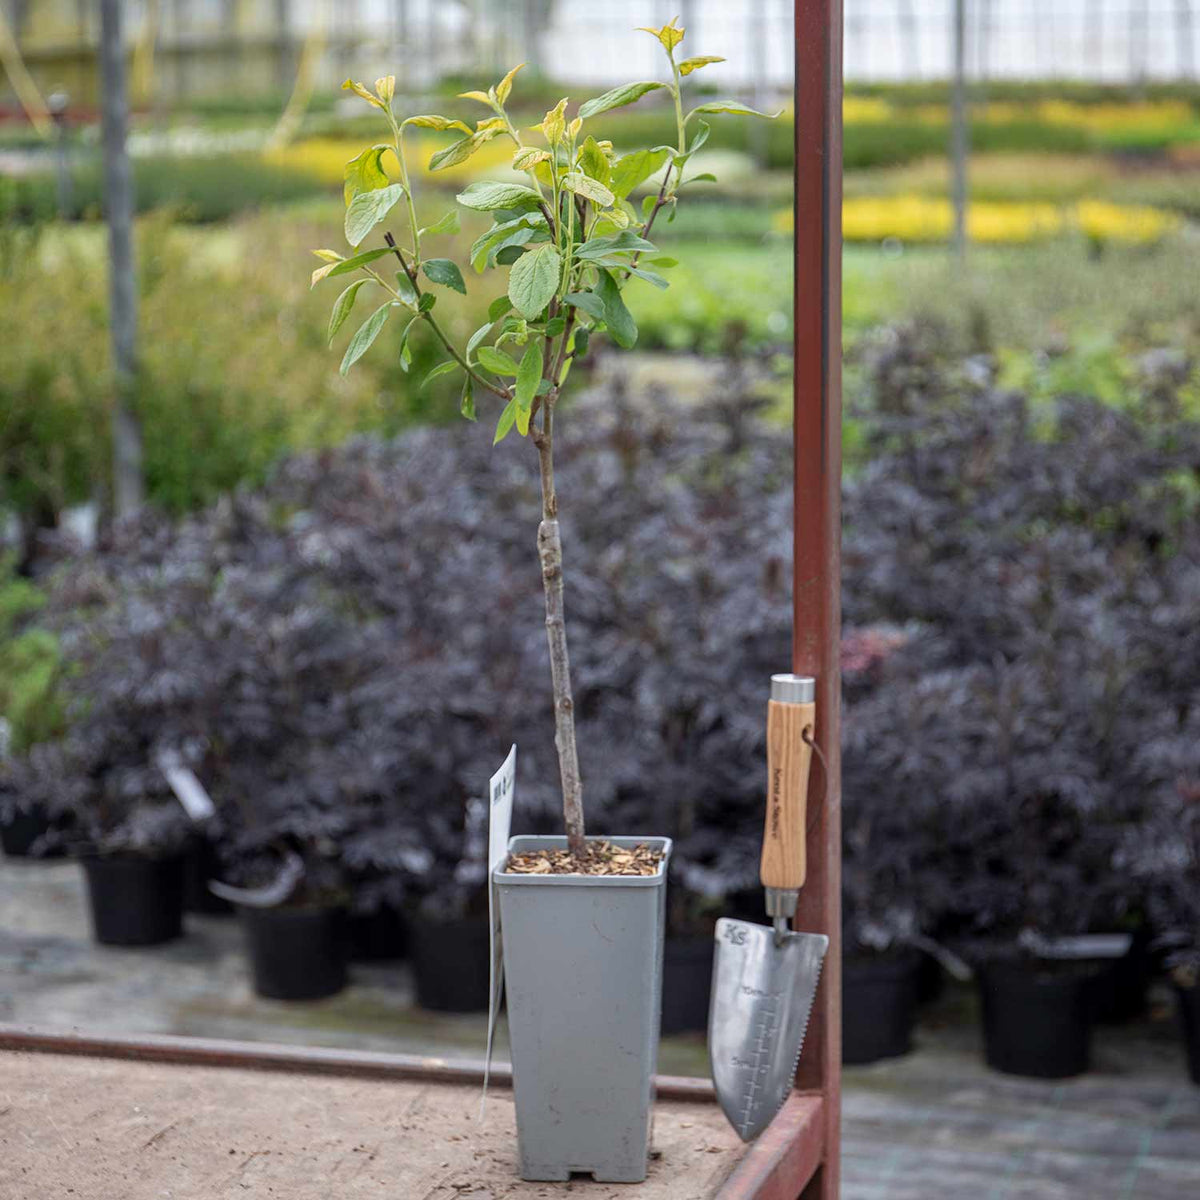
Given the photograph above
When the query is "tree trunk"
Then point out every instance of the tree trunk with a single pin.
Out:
(118, 200)
(550, 554)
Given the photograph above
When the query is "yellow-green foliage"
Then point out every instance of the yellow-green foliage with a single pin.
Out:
(30, 666)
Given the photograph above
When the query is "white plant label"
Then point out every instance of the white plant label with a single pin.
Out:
(501, 792)
(189, 791)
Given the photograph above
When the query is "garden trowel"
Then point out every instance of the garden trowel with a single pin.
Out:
(765, 977)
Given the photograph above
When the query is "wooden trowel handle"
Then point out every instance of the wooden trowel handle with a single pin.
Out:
(789, 757)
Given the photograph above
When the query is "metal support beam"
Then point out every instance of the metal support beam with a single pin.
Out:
(122, 290)
(817, 537)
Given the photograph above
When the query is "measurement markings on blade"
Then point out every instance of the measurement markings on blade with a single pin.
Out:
(760, 1063)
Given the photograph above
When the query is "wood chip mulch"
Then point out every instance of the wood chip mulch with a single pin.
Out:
(600, 858)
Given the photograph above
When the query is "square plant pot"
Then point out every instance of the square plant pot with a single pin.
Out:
(583, 959)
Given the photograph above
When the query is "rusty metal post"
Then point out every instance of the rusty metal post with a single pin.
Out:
(817, 546)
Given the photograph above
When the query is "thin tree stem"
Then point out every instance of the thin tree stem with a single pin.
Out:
(550, 554)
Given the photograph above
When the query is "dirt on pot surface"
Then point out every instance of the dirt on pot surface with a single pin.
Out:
(600, 858)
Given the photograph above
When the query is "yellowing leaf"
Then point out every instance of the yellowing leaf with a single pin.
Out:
(589, 188)
(433, 121)
(504, 87)
(529, 156)
(574, 128)
(482, 97)
(331, 256)
(670, 35)
(461, 150)
(688, 65)
(320, 274)
(554, 123)
(385, 88)
(360, 89)
(497, 123)
(365, 173)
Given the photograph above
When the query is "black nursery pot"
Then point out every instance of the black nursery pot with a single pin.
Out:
(1036, 1020)
(296, 953)
(1189, 1018)
(136, 901)
(1117, 988)
(687, 983)
(18, 834)
(879, 1006)
(379, 936)
(450, 961)
(201, 864)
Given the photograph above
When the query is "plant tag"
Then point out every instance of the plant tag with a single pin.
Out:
(501, 792)
(189, 791)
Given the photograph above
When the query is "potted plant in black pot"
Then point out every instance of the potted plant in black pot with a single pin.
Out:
(129, 833)
(582, 919)
(895, 889)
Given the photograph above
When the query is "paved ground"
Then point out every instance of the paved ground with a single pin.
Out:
(935, 1125)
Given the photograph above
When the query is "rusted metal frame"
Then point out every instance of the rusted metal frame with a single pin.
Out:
(817, 530)
(303, 1060)
(785, 1156)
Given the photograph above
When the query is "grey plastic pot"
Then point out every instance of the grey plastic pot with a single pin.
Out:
(583, 959)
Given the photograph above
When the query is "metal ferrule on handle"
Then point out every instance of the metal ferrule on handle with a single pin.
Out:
(791, 712)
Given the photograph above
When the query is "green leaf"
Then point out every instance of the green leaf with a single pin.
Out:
(487, 196)
(583, 336)
(627, 93)
(441, 369)
(585, 186)
(703, 177)
(426, 302)
(507, 419)
(466, 404)
(508, 255)
(406, 288)
(508, 233)
(626, 240)
(529, 375)
(342, 306)
(649, 277)
(534, 280)
(352, 264)
(703, 129)
(496, 361)
(433, 121)
(587, 302)
(447, 223)
(664, 261)
(616, 316)
(366, 333)
(365, 173)
(731, 106)
(498, 308)
(555, 326)
(634, 169)
(594, 162)
(478, 337)
(369, 208)
(405, 352)
(445, 272)
(460, 151)
(688, 65)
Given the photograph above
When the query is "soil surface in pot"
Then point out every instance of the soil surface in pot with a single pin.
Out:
(599, 858)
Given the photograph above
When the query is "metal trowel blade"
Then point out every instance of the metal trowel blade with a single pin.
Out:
(761, 1000)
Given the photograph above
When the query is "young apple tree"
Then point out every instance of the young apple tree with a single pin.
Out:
(571, 240)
